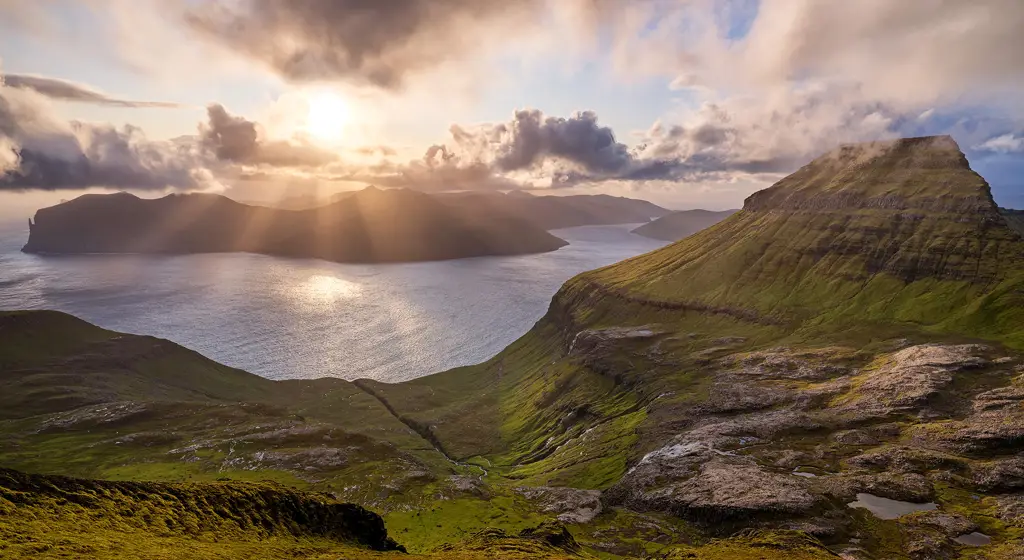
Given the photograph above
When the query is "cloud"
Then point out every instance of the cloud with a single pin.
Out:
(1007, 143)
(65, 90)
(38, 150)
(778, 85)
(235, 139)
(905, 53)
(565, 152)
(376, 43)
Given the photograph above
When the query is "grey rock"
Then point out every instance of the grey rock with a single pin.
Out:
(908, 378)
(572, 505)
(1002, 475)
(854, 437)
(951, 524)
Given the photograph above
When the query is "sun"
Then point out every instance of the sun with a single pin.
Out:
(326, 117)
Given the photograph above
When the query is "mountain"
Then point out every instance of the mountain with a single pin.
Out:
(899, 235)
(371, 225)
(545, 212)
(836, 369)
(677, 225)
(1015, 219)
(555, 212)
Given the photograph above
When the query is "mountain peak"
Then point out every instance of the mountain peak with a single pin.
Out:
(886, 233)
(923, 173)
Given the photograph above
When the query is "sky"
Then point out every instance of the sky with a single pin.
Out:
(688, 103)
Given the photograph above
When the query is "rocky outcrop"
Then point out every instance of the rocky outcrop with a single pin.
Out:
(724, 490)
(571, 505)
(542, 541)
(907, 379)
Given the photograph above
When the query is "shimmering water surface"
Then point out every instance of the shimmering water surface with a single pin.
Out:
(303, 318)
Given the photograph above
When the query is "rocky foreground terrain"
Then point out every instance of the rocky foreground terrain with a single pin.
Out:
(834, 371)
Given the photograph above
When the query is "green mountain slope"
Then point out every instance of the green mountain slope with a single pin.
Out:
(899, 234)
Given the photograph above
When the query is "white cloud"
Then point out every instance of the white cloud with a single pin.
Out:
(1006, 143)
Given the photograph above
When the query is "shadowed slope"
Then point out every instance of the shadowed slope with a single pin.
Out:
(677, 225)
(367, 226)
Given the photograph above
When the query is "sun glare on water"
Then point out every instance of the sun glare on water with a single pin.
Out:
(319, 289)
(327, 116)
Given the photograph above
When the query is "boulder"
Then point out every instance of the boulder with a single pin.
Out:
(572, 505)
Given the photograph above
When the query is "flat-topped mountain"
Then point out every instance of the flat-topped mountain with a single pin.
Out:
(677, 225)
(371, 225)
(900, 231)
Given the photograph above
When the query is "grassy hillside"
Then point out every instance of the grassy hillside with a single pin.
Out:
(900, 236)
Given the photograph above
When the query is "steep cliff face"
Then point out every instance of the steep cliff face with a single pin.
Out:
(897, 231)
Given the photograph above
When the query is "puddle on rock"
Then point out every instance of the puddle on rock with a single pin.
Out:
(884, 508)
(974, 539)
(809, 472)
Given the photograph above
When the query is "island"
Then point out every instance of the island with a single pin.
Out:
(367, 226)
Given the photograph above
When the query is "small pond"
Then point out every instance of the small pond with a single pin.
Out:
(884, 508)
(974, 539)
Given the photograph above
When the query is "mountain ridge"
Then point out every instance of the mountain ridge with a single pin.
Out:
(677, 225)
(368, 226)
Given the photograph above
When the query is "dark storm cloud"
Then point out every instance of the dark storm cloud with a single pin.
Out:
(532, 137)
(236, 139)
(372, 41)
(70, 91)
(578, 149)
(40, 151)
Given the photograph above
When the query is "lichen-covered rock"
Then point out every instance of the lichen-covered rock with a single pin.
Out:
(905, 380)
(902, 459)
(724, 490)
(951, 524)
(572, 505)
(984, 433)
(1003, 397)
(854, 437)
(784, 363)
(1010, 509)
(468, 485)
(904, 487)
(1002, 475)
(595, 340)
